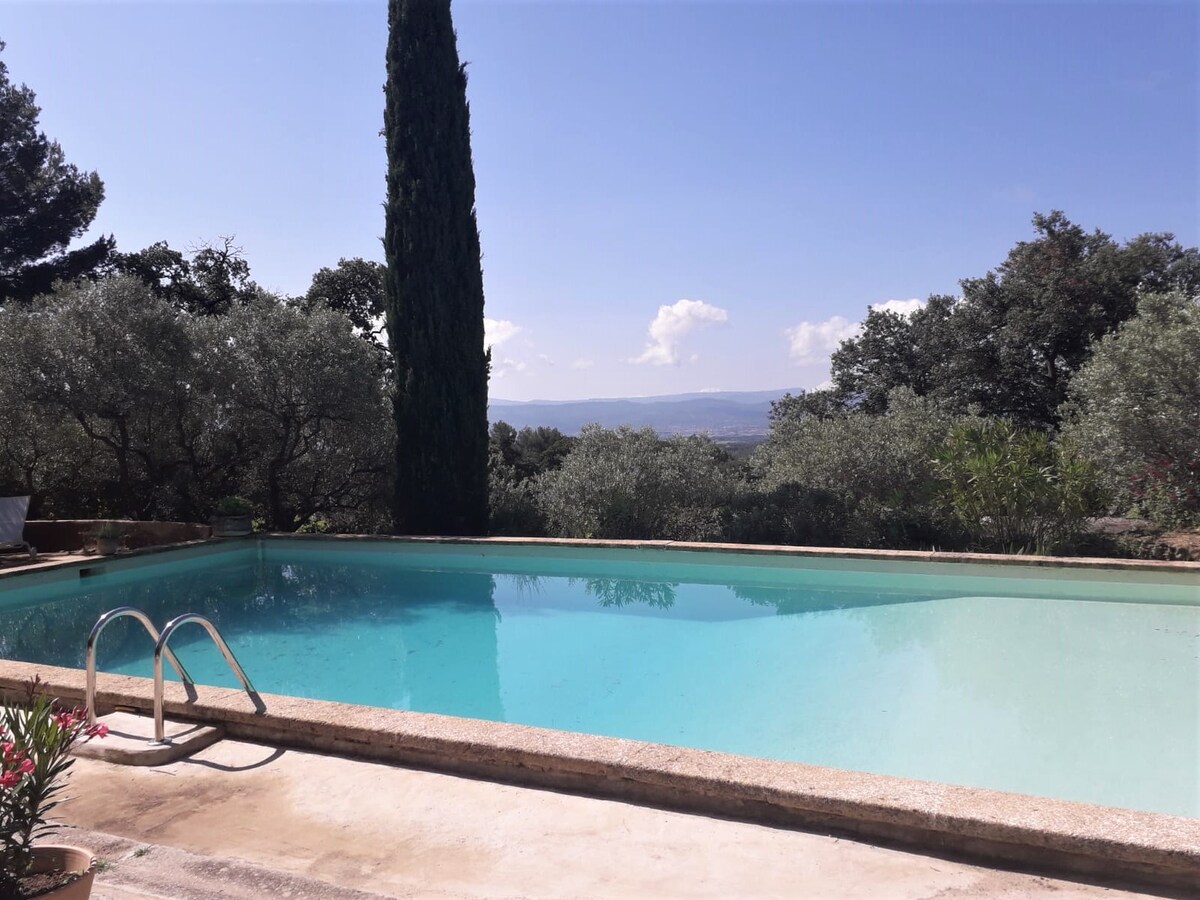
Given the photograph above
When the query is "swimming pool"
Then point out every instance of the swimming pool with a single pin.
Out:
(1080, 684)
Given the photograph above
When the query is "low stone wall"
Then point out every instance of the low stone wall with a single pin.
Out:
(55, 535)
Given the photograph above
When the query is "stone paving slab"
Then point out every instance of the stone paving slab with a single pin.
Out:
(130, 740)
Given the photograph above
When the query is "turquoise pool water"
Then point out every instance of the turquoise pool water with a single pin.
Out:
(1083, 686)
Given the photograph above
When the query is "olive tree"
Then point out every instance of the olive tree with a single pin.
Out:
(114, 400)
(300, 402)
(42, 452)
(113, 362)
(868, 480)
(627, 483)
(1135, 409)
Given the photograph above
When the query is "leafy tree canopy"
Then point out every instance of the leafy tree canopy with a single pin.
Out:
(1010, 346)
(113, 400)
(877, 468)
(355, 289)
(895, 350)
(45, 203)
(1135, 409)
(212, 282)
(530, 451)
(629, 483)
(819, 404)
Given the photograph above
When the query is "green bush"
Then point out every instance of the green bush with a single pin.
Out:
(1013, 490)
(789, 514)
(513, 508)
(233, 506)
(1135, 411)
(626, 483)
(862, 480)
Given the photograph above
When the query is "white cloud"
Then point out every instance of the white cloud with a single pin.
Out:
(505, 366)
(672, 323)
(497, 331)
(546, 359)
(901, 307)
(814, 341)
(583, 363)
(811, 342)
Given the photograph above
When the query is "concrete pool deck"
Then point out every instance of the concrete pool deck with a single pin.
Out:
(243, 811)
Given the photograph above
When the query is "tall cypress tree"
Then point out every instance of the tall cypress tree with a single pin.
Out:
(434, 280)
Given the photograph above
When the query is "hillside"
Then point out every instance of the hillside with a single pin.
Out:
(725, 415)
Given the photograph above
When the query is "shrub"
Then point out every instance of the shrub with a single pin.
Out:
(36, 739)
(1167, 491)
(513, 505)
(626, 483)
(788, 514)
(1135, 410)
(1013, 490)
(867, 479)
(233, 506)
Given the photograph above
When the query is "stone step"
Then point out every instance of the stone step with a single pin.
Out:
(129, 741)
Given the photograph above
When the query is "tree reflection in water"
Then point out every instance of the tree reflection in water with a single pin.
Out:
(614, 592)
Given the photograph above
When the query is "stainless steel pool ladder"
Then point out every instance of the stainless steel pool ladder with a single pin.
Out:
(94, 635)
(160, 648)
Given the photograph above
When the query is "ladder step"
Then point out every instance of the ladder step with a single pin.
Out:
(130, 740)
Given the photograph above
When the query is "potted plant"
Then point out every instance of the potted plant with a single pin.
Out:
(36, 739)
(108, 537)
(231, 517)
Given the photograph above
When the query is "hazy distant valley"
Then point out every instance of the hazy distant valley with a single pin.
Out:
(740, 416)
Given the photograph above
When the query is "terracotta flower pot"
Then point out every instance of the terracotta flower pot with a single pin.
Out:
(231, 526)
(66, 859)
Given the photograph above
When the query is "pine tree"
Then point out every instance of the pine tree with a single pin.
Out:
(45, 203)
(434, 281)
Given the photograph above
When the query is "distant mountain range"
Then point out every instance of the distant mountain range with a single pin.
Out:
(724, 415)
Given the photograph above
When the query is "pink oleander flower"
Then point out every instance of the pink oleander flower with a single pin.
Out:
(35, 759)
(64, 720)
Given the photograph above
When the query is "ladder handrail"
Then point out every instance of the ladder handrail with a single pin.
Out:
(94, 635)
(161, 647)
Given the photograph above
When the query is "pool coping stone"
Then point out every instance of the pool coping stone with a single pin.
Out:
(938, 556)
(1148, 566)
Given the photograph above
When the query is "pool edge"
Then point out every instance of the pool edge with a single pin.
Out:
(1054, 836)
(938, 556)
(214, 544)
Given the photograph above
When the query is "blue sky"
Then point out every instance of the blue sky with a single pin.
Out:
(779, 166)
